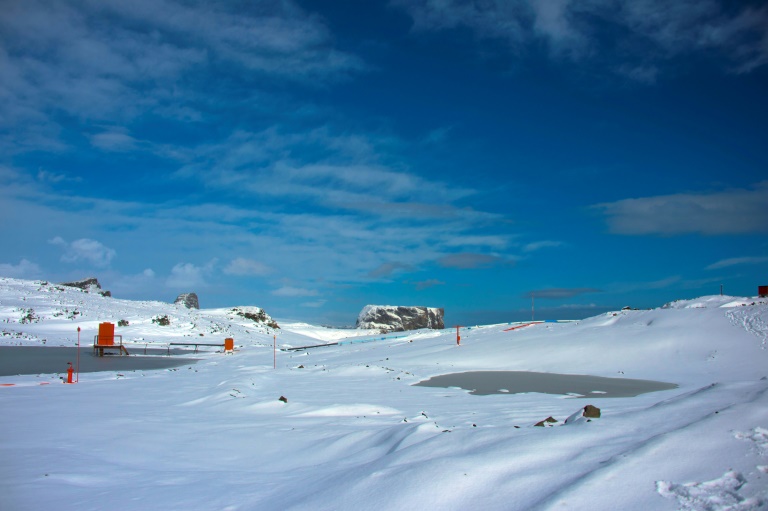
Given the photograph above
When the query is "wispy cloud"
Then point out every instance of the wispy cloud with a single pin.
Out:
(116, 61)
(469, 260)
(84, 249)
(336, 171)
(732, 211)
(651, 31)
(538, 245)
(735, 261)
(560, 293)
(246, 267)
(291, 291)
(314, 304)
(24, 270)
(387, 269)
(426, 284)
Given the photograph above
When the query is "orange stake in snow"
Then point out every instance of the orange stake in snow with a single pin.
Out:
(458, 337)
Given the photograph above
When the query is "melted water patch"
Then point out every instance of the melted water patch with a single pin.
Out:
(483, 383)
(17, 360)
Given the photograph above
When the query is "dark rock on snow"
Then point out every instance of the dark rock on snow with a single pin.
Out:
(591, 412)
(546, 422)
(188, 300)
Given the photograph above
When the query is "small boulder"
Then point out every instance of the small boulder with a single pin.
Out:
(283, 399)
(591, 412)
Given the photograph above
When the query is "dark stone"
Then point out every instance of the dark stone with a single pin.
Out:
(591, 412)
(188, 300)
(389, 318)
(283, 399)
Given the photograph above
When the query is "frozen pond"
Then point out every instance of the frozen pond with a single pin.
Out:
(483, 383)
(15, 360)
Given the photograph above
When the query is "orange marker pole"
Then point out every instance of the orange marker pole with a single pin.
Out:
(458, 337)
(78, 355)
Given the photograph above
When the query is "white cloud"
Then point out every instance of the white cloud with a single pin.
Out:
(114, 61)
(85, 249)
(246, 267)
(294, 291)
(187, 276)
(24, 270)
(733, 211)
(538, 245)
(736, 261)
(137, 285)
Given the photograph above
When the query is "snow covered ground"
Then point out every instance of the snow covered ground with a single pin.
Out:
(354, 433)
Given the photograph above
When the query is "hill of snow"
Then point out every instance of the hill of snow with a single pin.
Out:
(352, 431)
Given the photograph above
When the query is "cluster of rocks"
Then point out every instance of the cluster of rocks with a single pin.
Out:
(255, 314)
(89, 285)
(585, 414)
(394, 318)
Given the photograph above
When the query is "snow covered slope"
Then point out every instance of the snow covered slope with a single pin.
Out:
(353, 433)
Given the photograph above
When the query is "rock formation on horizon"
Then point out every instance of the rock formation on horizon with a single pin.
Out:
(188, 300)
(393, 318)
(89, 285)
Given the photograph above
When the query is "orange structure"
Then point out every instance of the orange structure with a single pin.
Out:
(106, 334)
(106, 339)
(229, 344)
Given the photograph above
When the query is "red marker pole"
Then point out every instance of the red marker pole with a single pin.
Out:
(78, 355)
(458, 337)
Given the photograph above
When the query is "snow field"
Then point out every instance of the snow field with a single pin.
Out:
(355, 434)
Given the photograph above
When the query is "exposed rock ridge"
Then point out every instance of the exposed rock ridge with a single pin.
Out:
(89, 285)
(395, 318)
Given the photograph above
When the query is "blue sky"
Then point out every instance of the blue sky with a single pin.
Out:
(312, 157)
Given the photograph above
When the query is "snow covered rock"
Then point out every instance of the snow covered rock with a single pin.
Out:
(394, 318)
(585, 414)
(188, 300)
(89, 285)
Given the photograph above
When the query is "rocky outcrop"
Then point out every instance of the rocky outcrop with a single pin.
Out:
(392, 318)
(255, 314)
(188, 300)
(89, 285)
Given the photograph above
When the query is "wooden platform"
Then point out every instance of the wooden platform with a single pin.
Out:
(102, 347)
